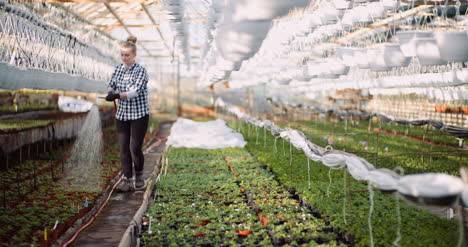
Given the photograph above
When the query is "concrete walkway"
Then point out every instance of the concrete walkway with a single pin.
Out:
(109, 227)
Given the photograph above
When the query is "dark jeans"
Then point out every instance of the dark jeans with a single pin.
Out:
(131, 134)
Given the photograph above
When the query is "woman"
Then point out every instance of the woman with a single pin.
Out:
(128, 84)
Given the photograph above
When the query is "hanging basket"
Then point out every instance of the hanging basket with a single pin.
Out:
(431, 189)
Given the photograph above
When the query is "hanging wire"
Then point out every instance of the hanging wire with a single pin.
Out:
(330, 182)
(371, 210)
(308, 173)
(29, 41)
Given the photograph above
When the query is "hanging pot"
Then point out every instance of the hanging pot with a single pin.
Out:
(427, 51)
(227, 65)
(394, 57)
(172, 8)
(218, 5)
(337, 67)
(330, 15)
(347, 55)
(406, 40)
(313, 68)
(245, 10)
(362, 15)
(376, 60)
(313, 21)
(349, 19)
(390, 4)
(240, 41)
(171, 2)
(376, 10)
(343, 4)
(360, 56)
(221, 75)
(306, 74)
(462, 75)
(284, 80)
(453, 45)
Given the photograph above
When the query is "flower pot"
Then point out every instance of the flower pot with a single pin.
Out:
(454, 109)
(440, 108)
(336, 67)
(264, 9)
(377, 10)
(343, 4)
(330, 15)
(427, 51)
(227, 65)
(452, 45)
(462, 75)
(218, 6)
(349, 20)
(406, 40)
(313, 21)
(360, 56)
(362, 15)
(239, 41)
(347, 55)
(393, 56)
(464, 109)
(390, 4)
(376, 60)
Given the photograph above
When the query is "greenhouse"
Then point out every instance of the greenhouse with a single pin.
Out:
(233, 123)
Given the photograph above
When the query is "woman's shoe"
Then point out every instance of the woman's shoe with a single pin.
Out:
(126, 185)
(139, 180)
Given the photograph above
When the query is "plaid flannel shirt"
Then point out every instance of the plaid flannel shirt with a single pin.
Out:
(131, 81)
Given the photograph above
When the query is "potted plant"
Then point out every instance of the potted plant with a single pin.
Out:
(440, 108)
(453, 109)
(464, 109)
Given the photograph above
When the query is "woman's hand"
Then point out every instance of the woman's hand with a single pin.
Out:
(112, 96)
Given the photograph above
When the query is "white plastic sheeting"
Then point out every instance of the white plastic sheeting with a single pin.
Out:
(426, 185)
(206, 135)
(383, 179)
(70, 104)
(358, 168)
(432, 185)
(334, 161)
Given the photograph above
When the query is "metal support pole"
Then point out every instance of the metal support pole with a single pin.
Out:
(464, 176)
(179, 106)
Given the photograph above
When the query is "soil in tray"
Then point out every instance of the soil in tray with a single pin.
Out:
(43, 206)
(13, 125)
(215, 210)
